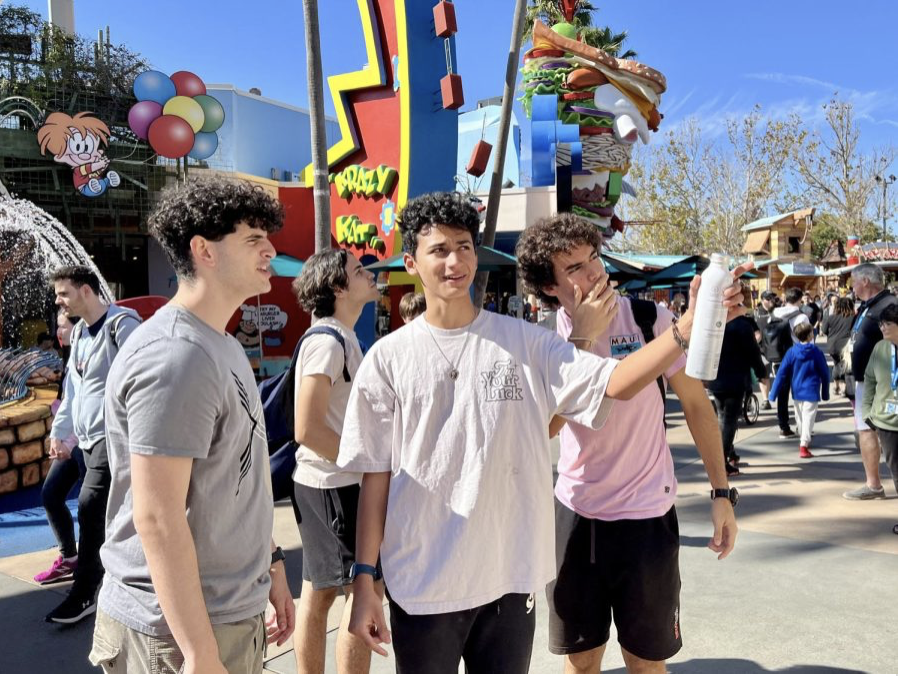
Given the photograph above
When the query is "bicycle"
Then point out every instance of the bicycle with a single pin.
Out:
(751, 407)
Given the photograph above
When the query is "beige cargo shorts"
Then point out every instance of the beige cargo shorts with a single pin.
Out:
(118, 649)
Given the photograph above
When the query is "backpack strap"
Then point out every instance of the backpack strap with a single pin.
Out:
(333, 333)
(73, 345)
(289, 393)
(645, 314)
(116, 323)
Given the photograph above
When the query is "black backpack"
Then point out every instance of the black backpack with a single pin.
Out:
(645, 314)
(778, 336)
(277, 394)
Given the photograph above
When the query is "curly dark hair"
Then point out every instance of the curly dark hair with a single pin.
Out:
(210, 207)
(436, 208)
(322, 275)
(544, 240)
(78, 275)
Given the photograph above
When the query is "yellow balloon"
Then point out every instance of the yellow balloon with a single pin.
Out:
(187, 109)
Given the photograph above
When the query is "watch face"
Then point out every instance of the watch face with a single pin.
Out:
(734, 496)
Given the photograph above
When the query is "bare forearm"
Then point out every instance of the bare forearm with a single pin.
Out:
(706, 434)
(372, 516)
(321, 439)
(641, 368)
(171, 558)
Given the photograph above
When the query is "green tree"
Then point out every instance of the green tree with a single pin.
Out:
(698, 193)
(58, 71)
(550, 13)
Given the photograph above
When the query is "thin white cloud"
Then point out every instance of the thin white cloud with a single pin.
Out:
(877, 107)
(678, 104)
(784, 78)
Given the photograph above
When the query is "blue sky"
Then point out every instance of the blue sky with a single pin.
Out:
(720, 58)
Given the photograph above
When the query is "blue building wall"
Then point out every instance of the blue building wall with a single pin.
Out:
(486, 121)
(261, 134)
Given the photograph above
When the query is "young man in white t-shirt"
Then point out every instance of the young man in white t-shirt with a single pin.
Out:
(334, 287)
(447, 420)
(616, 531)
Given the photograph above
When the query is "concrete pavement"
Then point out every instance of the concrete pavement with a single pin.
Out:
(810, 587)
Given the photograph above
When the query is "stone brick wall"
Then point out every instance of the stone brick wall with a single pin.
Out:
(25, 440)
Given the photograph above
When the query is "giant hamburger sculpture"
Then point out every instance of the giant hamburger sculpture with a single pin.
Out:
(614, 102)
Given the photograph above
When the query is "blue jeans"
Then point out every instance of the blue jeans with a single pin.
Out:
(61, 478)
(87, 192)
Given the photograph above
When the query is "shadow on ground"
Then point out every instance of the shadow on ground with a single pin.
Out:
(739, 666)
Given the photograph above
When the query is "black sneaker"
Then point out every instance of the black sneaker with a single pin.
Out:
(765, 405)
(786, 433)
(74, 609)
(732, 470)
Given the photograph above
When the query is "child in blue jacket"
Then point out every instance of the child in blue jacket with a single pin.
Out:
(805, 367)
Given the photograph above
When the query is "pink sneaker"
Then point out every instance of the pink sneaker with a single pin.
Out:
(61, 568)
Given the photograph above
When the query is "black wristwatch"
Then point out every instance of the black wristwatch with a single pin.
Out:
(363, 569)
(278, 555)
(730, 494)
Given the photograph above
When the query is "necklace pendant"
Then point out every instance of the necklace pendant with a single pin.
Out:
(453, 374)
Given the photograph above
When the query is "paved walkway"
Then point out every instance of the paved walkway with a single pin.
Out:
(810, 588)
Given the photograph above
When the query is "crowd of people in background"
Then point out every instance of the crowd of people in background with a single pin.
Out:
(776, 346)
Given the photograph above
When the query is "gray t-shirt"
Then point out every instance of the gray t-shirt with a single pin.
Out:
(180, 388)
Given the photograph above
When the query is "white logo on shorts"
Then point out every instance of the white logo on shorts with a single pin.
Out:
(530, 603)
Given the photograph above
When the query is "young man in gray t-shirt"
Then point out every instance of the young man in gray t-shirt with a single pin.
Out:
(190, 563)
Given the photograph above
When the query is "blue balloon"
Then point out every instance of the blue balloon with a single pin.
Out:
(151, 85)
(205, 145)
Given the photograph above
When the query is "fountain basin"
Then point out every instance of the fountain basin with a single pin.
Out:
(25, 439)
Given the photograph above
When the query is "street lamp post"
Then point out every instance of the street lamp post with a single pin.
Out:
(886, 182)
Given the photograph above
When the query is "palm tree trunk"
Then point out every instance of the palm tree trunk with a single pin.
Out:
(322, 191)
(492, 206)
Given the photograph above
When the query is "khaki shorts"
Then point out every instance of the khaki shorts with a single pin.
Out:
(118, 649)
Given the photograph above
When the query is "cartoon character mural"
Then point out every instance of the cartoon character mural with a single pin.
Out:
(79, 143)
(611, 104)
(256, 321)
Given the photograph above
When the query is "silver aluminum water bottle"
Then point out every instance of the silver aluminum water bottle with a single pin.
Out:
(709, 320)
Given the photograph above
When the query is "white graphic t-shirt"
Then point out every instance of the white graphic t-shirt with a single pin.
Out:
(470, 514)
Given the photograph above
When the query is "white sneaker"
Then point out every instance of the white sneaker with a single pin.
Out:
(114, 179)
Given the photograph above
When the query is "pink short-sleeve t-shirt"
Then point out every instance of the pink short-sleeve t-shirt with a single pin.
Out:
(624, 470)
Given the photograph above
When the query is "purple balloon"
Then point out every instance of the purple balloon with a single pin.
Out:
(141, 116)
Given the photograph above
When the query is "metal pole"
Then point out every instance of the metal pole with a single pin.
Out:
(492, 206)
(322, 191)
(885, 188)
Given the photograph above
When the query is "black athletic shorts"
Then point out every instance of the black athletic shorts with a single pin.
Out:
(628, 570)
(327, 528)
(496, 638)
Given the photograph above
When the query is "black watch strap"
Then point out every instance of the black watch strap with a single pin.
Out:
(278, 555)
(730, 494)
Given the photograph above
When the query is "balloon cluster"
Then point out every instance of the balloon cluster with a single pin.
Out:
(175, 114)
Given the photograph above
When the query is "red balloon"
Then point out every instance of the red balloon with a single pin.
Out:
(171, 136)
(188, 84)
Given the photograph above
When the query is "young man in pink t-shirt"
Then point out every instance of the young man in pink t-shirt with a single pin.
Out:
(617, 538)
